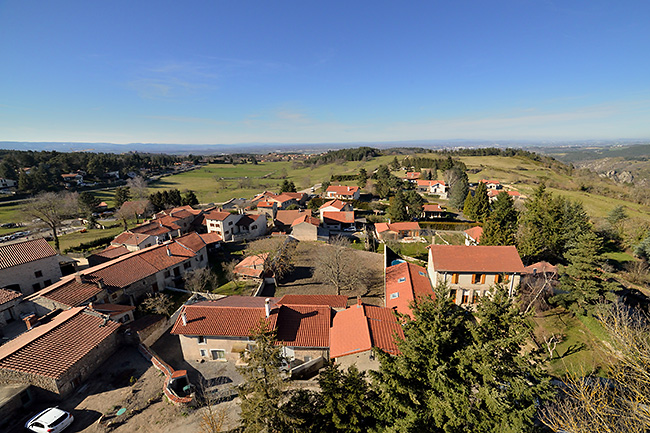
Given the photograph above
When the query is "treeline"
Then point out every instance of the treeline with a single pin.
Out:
(417, 163)
(46, 167)
(357, 154)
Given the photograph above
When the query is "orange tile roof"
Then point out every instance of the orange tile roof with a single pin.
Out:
(432, 208)
(128, 238)
(7, 295)
(306, 218)
(265, 204)
(156, 227)
(424, 182)
(496, 182)
(396, 227)
(334, 301)
(381, 227)
(53, 348)
(342, 217)
(362, 327)
(284, 197)
(111, 309)
(241, 301)
(192, 240)
(334, 203)
(24, 252)
(540, 268)
(413, 175)
(252, 266)
(475, 233)
(211, 238)
(462, 258)
(343, 189)
(405, 283)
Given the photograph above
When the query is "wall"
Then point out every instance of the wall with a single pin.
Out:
(363, 360)
(300, 353)
(465, 284)
(305, 232)
(25, 277)
(191, 347)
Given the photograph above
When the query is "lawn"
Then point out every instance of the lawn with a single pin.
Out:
(77, 238)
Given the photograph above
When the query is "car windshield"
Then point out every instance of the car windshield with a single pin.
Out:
(59, 420)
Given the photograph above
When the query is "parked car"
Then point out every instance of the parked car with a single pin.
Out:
(52, 420)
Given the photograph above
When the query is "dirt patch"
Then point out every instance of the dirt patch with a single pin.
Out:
(302, 281)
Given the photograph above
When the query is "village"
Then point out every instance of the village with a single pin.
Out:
(66, 325)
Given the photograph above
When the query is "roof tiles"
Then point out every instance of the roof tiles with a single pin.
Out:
(462, 258)
(24, 252)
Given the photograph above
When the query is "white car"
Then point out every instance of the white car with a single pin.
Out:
(52, 420)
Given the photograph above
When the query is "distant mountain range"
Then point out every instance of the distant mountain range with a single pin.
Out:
(213, 149)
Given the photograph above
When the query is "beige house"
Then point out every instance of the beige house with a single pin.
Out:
(307, 228)
(472, 271)
(28, 266)
(222, 330)
(233, 226)
(334, 206)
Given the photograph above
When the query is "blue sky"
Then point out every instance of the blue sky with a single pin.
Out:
(227, 72)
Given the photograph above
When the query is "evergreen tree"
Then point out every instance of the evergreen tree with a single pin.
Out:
(582, 284)
(617, 215)
(397, 209)
(287, 186)
(469, 207)
(396, 164)
(362, 178)
(414, 203)
(262, 389)
(481, 203)
(122, 194)
(458, 187)
(88, 203)
(174, 197)
(345, 400)
(190, 199)
(501, 227)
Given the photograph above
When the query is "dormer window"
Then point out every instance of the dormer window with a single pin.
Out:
(401, 280)
(394, 295)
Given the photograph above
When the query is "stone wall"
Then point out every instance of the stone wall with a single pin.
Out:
(363, 360)
(25, 275)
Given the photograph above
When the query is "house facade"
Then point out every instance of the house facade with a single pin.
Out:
(339, 221)
(233, 226)
(433, 211)
(472, 271)
(397, 231)
(307, 228)
(335, 206)
(9, 299)
(433, 187)
(473, 235)
(28, 266)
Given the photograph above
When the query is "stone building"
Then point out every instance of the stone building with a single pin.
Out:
(28, 266)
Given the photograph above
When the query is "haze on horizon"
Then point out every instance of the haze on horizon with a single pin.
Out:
(209, 72)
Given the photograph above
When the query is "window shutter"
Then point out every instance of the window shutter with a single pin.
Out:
(454, 279)
(483, 279)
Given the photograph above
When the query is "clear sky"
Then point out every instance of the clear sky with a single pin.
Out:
(236, 71)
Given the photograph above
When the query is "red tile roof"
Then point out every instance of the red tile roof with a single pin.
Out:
(213, 320)
(217, 215)
(475, 233)
(432, 208)
(413, 175)
(334, 301)
(7, 295)
(252, 266)
(210, 238)
(113, 251)
(397, 227)
(264, 204)
(462, 258)
(240, 301)
(405, 283)
(284, 197)
(495, 182)
(341, 217)
(424, 182)
(192, 240)
(362, 327)
(342, 189)
(156, 227)
(540, 268)
(286, 217)
(128, 238)
(304, 325)
(334, 203)
(111, 309)
(52, 348)
(24, 252)
(306, 218)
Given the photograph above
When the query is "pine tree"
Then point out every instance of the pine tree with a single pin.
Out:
(501, 227)
(122, 194)
(414, 203)
(582, 283)
(396, 164)
(362, 178)
(262, 389)
(469, 208)
(397, 209)
(190, 199)
(481, 203)
(458, 187)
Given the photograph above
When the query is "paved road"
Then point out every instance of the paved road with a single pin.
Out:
(310, 190)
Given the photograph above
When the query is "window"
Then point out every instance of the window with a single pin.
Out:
(218, 354)
(475, 297)
(465, 299)
(253, 227)
(36, 286)
(167, 274)
(394, 295)
(204, 353)
(454, 278)
(201, 339)
(452, 295)
(422, 273)
(187, 265)
(47, 283)
(230, 223)
(401, 280)
(201, 257)
(38, 274)
(478, 278)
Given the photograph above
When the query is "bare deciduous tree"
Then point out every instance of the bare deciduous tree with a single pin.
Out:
(201, 280)
(620, 403)
(52, 208)
(158, 303)
(337, 265)
(279, 259)
(138, 187)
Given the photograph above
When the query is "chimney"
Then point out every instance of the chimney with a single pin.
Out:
(267, 307)
(31, 321)
(359, 301)
(100, 283)
(77, 277)
(184, 318)
(169, 253)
